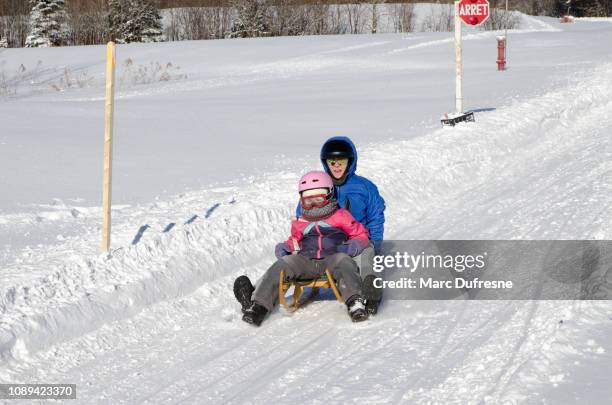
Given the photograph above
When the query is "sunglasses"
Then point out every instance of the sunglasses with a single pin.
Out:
(337, 162)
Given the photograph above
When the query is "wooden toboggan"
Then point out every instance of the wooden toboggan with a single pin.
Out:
(325, 281)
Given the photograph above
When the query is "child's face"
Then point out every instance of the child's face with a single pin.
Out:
(337, 167)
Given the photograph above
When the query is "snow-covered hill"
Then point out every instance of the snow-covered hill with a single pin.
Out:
(208, 151)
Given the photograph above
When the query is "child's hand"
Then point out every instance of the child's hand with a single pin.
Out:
(281, 250)
(352, 247)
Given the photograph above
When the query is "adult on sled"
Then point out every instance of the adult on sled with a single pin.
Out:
(361, 197)
(323, 237)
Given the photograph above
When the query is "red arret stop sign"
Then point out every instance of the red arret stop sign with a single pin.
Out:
(474, 12)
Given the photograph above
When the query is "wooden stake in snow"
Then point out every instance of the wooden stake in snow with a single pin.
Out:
(109, 107)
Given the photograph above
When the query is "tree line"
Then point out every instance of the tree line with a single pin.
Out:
(86, 22)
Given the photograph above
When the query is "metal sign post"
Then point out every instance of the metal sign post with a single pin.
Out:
(458, 62)
(472, 12)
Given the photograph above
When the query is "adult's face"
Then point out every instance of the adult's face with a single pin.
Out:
(337, 167)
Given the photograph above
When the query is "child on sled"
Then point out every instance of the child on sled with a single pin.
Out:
(323, 237)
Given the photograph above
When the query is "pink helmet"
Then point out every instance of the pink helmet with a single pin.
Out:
(315, 179)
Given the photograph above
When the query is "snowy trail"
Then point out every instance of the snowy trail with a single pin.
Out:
(500, 350)
(444, 348)
(425, 178)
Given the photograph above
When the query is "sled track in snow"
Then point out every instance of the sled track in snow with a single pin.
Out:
(192, 266)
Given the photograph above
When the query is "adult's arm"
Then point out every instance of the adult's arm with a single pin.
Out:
(358, 238)
(375, 215)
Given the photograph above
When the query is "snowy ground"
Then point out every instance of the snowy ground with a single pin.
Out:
(206, 164)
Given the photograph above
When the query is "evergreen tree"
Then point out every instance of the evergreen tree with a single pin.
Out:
(47, 24)
(251, 19)
(592, 8)
(582, 8)
(117, 9)
(560, 8)
(135, 21)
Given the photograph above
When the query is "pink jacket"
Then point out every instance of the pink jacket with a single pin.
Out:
(319, 239)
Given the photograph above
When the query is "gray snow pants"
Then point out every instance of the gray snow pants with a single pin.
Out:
(342, 267)
(365, 261)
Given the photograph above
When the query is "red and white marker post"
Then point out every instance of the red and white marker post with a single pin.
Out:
(471, 12)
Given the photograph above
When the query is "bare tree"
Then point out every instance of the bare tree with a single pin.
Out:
(288, 19)
(355, 15)
(339, 25)
(88, 22)
(402, 16)
(318, 17)
(14, 30)
(440, 18)
(499, 18)
(537, 7)
(221, 20)
(188, 24)
(374, 15)
(173, 28)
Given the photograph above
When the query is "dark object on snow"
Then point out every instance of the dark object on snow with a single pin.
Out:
(356, 308)
(243, 290)
(255, 314)
(371, 294)
(454, 119)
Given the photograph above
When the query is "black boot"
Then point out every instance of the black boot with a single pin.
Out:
(243, 290)
(255, 314)
(356, 308)
(371, 294)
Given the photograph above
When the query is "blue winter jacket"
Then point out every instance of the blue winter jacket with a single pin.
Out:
(360, 196)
